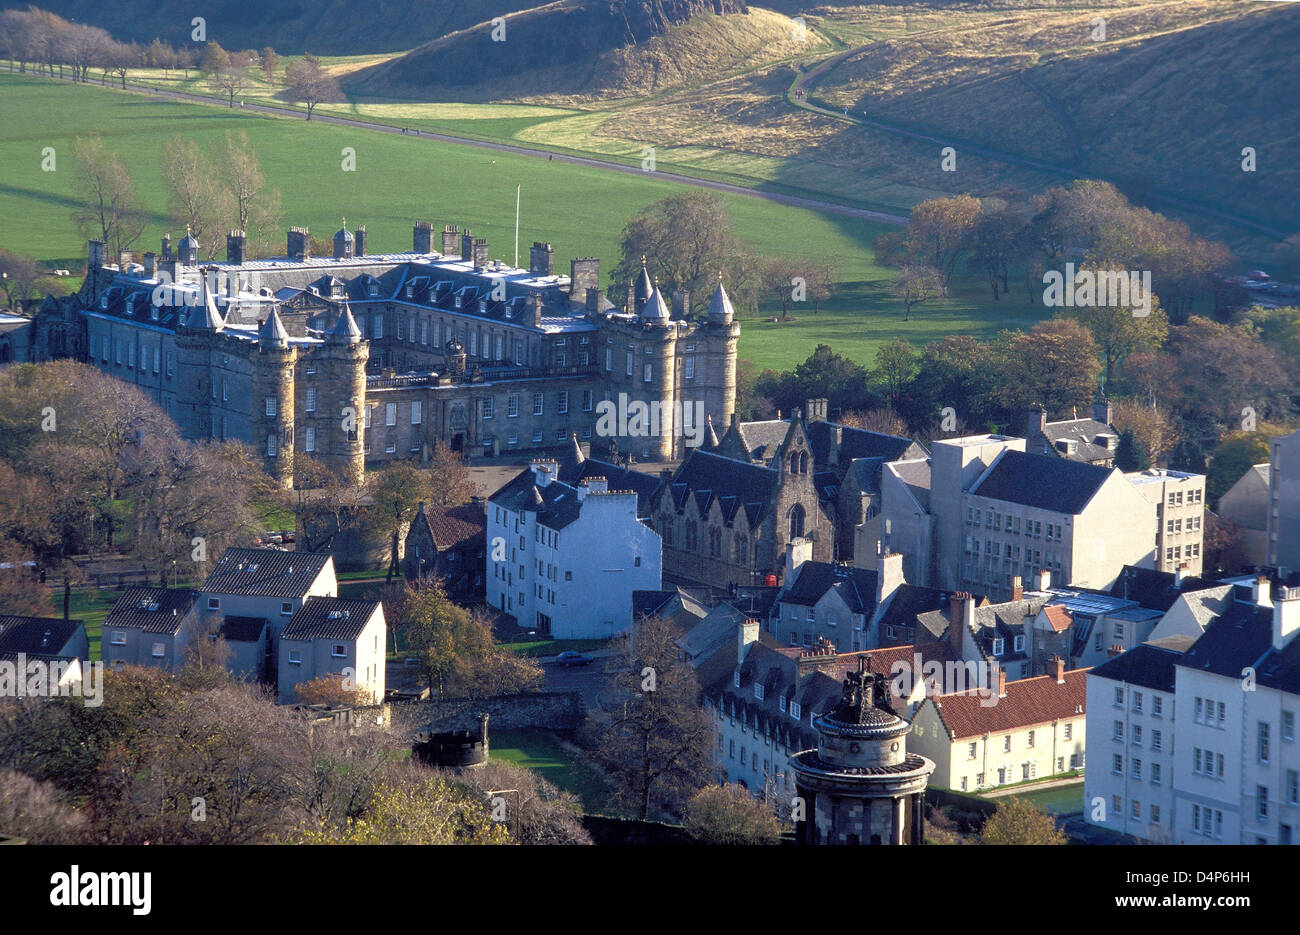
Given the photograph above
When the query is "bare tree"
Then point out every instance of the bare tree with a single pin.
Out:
(229, 81)
(309, 83)
(916, 284)
(109, 209)
(254, 207)
(196, 198)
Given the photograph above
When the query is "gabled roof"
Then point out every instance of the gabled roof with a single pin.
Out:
(762, 439)
(36, 635)
(616, 476)
(856, 586)
(910, 602)
(856, 443)
(1028, 702)
(265, 572)
(1041, 481)
(736, 485)
(453, 526)
(330, 618)
(1059, 617)
(151, 610)
(1242, 637)
(1151, 588)
(1147, 665)
(915, 477)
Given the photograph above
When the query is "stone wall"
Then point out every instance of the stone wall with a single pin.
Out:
(560, 711)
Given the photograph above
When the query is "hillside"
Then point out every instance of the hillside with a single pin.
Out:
(1163, 104)
(324, 27)
(577, 49)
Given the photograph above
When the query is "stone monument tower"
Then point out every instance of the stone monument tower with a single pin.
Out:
(861, 786)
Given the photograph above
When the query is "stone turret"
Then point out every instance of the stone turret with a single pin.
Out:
(188, 249)
(340, 383)
(344, 242)
(273, 399)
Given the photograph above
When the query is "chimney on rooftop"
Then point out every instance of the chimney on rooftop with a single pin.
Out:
(299, 244)
(1115, 650)
(797, 551)
(1261, 591)
(1286, 617)
(360, 248)
(422, 237)
(1017, 588)
(1002, 682)
(150, 265)
(746, 636)
(1058, 666)
(450, 240)
(961, 619)
(1044, 579)
(235, 244)
(541, 259)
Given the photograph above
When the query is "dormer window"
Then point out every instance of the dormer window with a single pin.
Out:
(783, 704)
(998, 647)
(758, 690)
(736, 678)
(372, 289)
(1020, 644)
(796, 710)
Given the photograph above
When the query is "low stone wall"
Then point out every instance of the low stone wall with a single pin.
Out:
(559, 711)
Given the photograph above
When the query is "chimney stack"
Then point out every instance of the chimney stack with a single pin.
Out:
(1002, 682)
(584, 274)
(746, 636)
(360, 249)
(889, 576)
(1044, 579)
(299, 244)
(1286, 617)
(1058, 666)
(1115, 650)
(422, 237)
(236, 242)
(797, 551)
(1261, 592)
(150, 264)
(961, 616)
(1017, 588)
(541, 259)
(450, 240)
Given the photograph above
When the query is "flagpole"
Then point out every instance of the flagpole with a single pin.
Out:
(518, 188)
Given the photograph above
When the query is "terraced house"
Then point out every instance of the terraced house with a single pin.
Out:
(359, 359)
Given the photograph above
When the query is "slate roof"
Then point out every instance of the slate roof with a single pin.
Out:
(855, 443)
(36, 635)
(329, 618)
(856, 586)
(735, 485)
(1083, 433)
(265, 572)
(1242, 636)
(619, 478)
(1152, 588)
(1042, 481)
(915, 476)
(556, 504)
(1028, 702)
(910, 602)
(1147, 665)
(151, 610)
(762, 439)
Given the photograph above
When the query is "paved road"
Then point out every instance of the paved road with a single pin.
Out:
(588, 680)
(827, 207)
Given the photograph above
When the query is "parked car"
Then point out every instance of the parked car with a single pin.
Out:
(288, 537)
(572, 658)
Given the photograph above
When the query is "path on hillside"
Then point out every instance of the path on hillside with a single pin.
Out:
(810, 80)
(828, 207)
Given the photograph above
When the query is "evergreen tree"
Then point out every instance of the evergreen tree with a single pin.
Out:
(1131, 455)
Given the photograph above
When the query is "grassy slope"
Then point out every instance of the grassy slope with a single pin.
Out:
(542, 753)
(400, 180)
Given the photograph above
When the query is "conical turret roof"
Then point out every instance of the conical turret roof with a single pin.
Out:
(272, 333)
(656, 309)
(345, 330)
(720, 307)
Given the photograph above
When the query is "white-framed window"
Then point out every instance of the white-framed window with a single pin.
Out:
(587, 400)
(512, 406)
(272, 446)
(270, 405)
(562, 403)
(118, 638)
(688, 368)
(214, 603)
(376, 326)
(295, 657)
(629, 360)
(537, 404)
(159, 650)
(416, 413)
(487, 408)
(339, 650)
(649, 373)
(309, 440)
(309, 399)
(424, 331)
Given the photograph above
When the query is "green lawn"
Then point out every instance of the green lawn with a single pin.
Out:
(91, 606)
(555, 647)
(1059, 800)
(399, 180)
(540, 751)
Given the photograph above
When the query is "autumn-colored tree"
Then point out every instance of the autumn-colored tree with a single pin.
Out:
(1117, 329)
(535, 812)
(395, 493)
(1224, 544)
(940, 231)
(330, 690)
(447, 481)
(444, 637)
(1018, 821)
(324, 503)
(1055, 363)
(1149, 424)
(885, 421)
(729, 815)
(215, 59)
(269, 62)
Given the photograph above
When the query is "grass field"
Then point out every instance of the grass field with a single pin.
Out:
(90, 606)
(1058, 800)
(541, 752)
(399, 180)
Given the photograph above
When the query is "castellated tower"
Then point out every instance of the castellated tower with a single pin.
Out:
(340, 382)
(272, 404)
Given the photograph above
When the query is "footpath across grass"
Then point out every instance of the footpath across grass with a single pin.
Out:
(542, 752)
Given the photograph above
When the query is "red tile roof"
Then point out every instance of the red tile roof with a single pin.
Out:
(1028, 702)
(1059, 617)
(453, 525)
